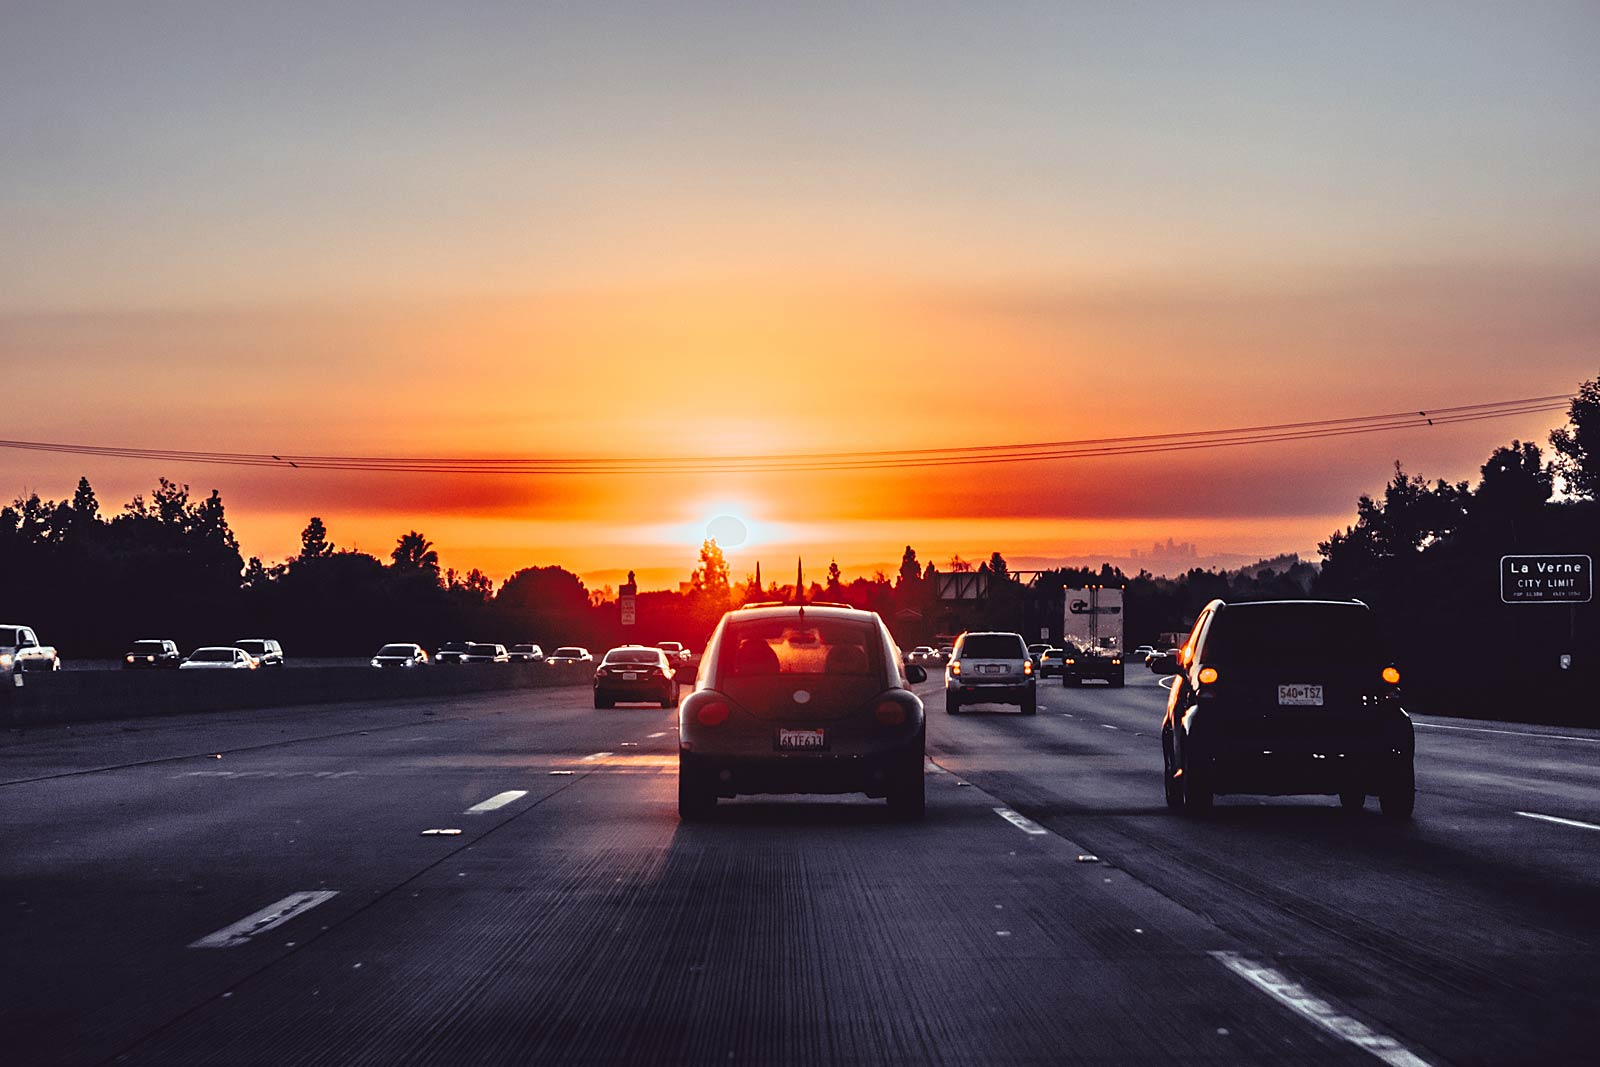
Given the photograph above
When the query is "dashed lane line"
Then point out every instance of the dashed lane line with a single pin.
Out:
(1021, 822)
(658, 733)
(268, 918)
(1303, 1003)
(499, 800)
(1108, 726)
(1558, 820)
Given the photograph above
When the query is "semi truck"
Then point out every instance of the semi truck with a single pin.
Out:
(1091, 626)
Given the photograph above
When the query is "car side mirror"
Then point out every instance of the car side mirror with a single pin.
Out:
(916, 675)
(1166, 663)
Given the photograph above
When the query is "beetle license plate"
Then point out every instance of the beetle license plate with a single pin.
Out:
(1303, 696)
(794, 740)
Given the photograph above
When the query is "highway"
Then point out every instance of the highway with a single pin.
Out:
(265, 887)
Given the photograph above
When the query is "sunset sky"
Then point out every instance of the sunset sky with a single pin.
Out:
(723, 229)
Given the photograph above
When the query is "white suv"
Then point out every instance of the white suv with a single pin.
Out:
(990, 668)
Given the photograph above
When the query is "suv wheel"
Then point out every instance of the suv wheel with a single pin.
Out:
(1399, 798)
(1030, 703)
(603, 702)
(952, 705)
(1196, 785)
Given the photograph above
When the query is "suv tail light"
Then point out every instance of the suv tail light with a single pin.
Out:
(1391, 675)
(713, 714)
(955, 667)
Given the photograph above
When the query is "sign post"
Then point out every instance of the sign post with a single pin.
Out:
(626, 599)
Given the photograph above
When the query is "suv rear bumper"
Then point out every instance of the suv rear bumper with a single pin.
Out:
(990, 692)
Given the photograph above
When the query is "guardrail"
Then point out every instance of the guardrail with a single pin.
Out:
(88, 696)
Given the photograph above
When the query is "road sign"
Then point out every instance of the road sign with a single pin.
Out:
(1546, 579)
(628, 615)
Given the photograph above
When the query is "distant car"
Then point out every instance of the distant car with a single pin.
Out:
(675, 651)
(483, 652)
(635, 673)
(1036, 651)
(1142, 651)
(450, 652)
(1286, 697)
(945, 652)
(1102, 664)
(151, 654)
(1153, 660)
(990, 668)
(219, 658)
(401, 655)
(802, 699)
(568, 654)
(21, 651)
(526, 653)
(265, 651)
(923, 654)
(1052, 663)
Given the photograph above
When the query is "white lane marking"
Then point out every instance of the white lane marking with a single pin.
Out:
(1021, 822)
(931, 767)
(499, 800)
(658, 733)
(1303, 1003)
(273, 915)
(1168, 682)
(1512, 733)
(1563, 822)
(597, 755)
(1107, 726)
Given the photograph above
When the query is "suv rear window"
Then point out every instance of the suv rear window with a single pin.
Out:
(148, 646)
(993, 646)
(765, 647)
(1334, 633)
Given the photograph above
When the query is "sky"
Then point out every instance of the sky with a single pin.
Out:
(701, 229)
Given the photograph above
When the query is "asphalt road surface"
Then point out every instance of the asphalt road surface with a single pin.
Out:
(261, 887)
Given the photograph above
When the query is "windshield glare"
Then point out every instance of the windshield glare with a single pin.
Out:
(794, 646)
(993, 646)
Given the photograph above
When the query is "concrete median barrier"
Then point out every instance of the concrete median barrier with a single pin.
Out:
(87, 696)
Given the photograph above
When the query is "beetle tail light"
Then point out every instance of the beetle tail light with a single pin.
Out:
(890, 712)
(712, 714)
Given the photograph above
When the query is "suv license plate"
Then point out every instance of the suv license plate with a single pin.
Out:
(993, 668)
(790, 740)
(1300, 696)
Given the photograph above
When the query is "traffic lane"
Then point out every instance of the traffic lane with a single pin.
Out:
(1531, 786)
(1451, 933)
(598, 928)
(114, 873)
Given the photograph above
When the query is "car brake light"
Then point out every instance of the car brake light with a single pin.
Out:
(1027, 666)
(890, 712)
(713, 714)
(1391, 675)
(955, 667)
(1208, 675)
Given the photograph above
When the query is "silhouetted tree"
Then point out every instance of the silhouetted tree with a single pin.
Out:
(1577, 446)
(835, 580)
(413, 552)
(314, 543)
(910, 571)
(711, 577)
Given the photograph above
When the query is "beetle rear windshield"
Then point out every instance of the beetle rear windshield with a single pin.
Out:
(993, 646)
(1332, 633)
(766, 647)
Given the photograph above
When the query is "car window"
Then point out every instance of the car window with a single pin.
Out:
(395, 650)
(255, 648)
(572, 653)
(765, 647)
(1335, 633)
(634, 655)
(213, 655)
(993, 646)
(149, 646)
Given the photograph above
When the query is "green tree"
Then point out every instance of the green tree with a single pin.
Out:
(1577, 447)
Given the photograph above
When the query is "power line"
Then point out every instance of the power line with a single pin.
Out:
(965, 455)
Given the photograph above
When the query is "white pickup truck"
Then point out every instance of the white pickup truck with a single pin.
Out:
(20, 650)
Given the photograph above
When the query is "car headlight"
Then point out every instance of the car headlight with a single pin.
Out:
(375, 663)
(5, 659)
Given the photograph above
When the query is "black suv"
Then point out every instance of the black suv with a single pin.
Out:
(1282, 698)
